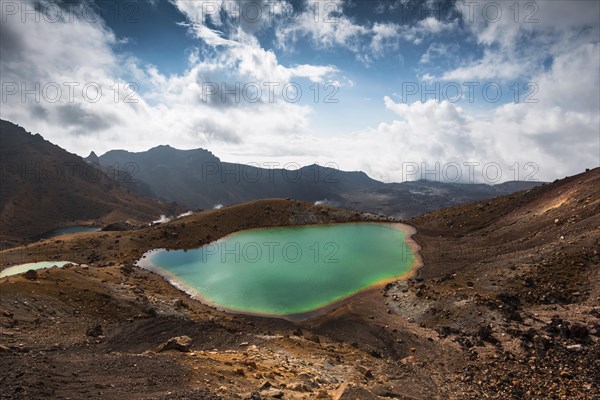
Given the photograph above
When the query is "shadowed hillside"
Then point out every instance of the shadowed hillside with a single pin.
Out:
(198, 179)
(44, 186)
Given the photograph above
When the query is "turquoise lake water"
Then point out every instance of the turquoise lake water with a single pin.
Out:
(287, 271)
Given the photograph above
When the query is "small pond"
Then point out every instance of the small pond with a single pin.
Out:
(65, 231)
(19, 269)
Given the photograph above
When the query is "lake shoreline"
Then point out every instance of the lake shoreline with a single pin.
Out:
(408, 231)
(36, 266)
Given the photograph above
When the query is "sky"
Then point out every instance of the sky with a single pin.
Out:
(469, 91)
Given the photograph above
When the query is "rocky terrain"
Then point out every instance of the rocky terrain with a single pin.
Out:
(505, 307)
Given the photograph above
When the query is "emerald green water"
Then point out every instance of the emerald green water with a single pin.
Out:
(286, 271)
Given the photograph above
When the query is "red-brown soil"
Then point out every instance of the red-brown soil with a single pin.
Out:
(505, 307)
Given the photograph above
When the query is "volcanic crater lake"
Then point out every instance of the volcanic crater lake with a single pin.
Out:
(289, 271)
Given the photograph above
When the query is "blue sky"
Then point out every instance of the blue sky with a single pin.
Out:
(411, 81)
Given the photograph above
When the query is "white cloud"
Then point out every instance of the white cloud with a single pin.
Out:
(425, 28)
(443, 133)
(315, 73)
(385, 35)
(559, 133)
(210, 36)
(201, 11)
(572, 82)
(330, 27)
(434, 50)
(519, 38)
(324, 23)
(250, 16)
(493, 65)
(171, 109)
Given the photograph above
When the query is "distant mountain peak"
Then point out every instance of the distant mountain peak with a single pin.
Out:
(165, 150)
(73, 189)
(93, 158)
(168, 147)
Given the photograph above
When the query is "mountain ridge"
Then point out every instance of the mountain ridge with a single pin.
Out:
(45, 187)
(200, 180)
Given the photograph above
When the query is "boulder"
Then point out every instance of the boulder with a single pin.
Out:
(365, 371)
(127, 269)
(32, 275)
(94, 331)
(274, 393)
(579, 331)
(348, 392)
(179, 343)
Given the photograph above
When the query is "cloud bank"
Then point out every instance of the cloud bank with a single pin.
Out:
(234, 96)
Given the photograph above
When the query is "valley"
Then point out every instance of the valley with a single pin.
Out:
(299, 200)
(200, 180)
(504, 306)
